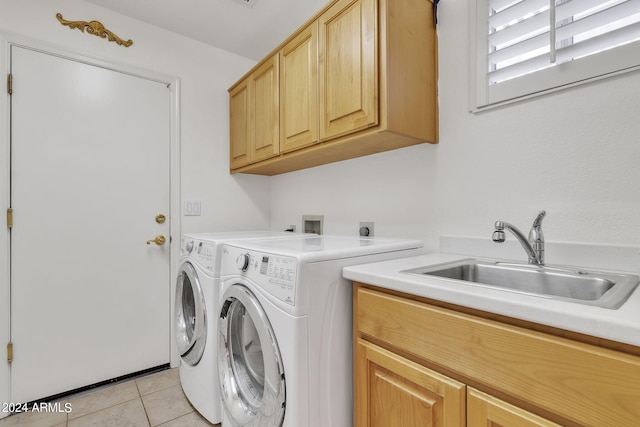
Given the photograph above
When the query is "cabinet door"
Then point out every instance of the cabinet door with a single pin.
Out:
(484, 410)
(393, 391)
(299, 91)
(348, 70)
(239, 125)
(265, 135)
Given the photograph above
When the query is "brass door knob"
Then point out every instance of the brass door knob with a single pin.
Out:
(159, 240)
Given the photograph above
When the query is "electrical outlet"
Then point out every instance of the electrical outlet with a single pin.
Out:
(366, 228)
(312, 223)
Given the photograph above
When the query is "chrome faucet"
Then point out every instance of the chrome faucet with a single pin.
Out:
(534, 246)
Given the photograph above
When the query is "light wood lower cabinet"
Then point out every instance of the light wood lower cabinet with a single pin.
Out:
(359, 78)
(393, 391)
(433, 362)
(485, 410)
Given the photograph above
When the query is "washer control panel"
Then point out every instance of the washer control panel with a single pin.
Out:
(199, 251)
(276, 274)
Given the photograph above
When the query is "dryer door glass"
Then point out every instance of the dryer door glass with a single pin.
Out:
(250, 366)
(190, 316)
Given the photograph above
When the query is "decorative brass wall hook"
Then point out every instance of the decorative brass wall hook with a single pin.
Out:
(96, 28)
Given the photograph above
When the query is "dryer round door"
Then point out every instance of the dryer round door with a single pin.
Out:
(190, 315)
(250, 366)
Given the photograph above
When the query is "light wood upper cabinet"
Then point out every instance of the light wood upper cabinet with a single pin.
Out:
(239, 124)
(358, 78)
(299, 91)
(265, 132)
(348, 68)
(254, 114)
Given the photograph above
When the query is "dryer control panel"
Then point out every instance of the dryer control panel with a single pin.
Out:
(276, 274)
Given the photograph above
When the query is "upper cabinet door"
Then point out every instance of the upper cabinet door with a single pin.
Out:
(299, 91)
(265, 132)
(348, 67)
(239, 124)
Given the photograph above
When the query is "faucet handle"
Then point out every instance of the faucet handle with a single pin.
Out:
(538, 221)
(536, 237)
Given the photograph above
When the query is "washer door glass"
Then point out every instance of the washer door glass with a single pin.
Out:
(249, 362)
(190, 316)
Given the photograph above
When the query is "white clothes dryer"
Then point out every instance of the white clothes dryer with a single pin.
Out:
(195, 312)
(285, 328)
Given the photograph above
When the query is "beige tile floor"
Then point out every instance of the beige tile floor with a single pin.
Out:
(152, 400)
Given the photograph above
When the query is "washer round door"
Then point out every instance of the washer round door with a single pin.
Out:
(250, 367)
(190, 315)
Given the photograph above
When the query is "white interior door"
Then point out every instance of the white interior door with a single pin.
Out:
(90, 170)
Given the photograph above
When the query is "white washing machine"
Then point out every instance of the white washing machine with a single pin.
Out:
(196, 309)
(285, 328)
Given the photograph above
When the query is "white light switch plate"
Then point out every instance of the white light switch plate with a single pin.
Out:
(192, 208)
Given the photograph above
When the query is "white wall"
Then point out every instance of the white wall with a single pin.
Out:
(574, 153)
(205, 73)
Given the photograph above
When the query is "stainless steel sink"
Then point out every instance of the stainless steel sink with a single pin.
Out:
(607, 290)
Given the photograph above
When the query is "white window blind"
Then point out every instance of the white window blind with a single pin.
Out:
(530, 46)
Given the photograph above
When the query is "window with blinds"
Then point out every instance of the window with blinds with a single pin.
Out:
(526, 47)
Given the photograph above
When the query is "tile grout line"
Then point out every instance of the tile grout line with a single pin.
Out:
(171, 419)
(146, 413)
(106, 387)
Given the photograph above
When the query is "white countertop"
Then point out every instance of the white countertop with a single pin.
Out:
(622, 324)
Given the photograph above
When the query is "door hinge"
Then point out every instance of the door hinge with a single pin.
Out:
(9, 218)
(9, 352)
(10, 84)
